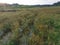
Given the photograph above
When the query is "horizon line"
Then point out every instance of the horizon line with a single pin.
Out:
(29, 4)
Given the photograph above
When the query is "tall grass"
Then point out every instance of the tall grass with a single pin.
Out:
(30, 26)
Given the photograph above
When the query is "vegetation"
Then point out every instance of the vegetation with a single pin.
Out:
(30, 26)
(15, 6)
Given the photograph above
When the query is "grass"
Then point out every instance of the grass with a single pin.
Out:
(30, 26)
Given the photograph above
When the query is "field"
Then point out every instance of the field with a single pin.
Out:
(30, 26)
